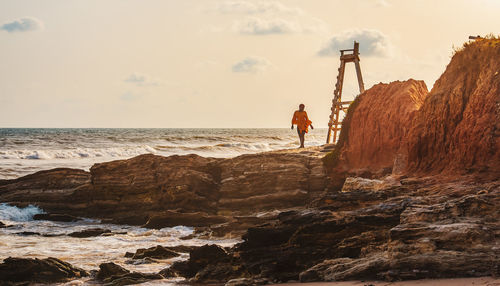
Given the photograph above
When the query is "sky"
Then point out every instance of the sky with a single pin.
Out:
(214, 63)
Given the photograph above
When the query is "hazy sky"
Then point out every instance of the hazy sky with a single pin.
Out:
(235, 63)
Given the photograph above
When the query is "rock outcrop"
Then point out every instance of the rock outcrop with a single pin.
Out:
(27, 270)
(457, 129)
(425, 230)
(177, 190)
(375, 128)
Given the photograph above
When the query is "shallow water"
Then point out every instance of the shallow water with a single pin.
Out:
(88, 253)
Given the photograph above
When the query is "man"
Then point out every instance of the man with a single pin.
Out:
(300, 118)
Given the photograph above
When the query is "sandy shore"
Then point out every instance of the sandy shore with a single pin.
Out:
(483, 281)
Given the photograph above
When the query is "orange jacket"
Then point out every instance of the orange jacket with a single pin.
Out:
(300, 118)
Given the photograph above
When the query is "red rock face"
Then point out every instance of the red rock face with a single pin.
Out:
(379, 124)
(457, 129)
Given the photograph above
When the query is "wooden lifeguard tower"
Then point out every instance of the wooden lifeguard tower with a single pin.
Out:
(335, 123)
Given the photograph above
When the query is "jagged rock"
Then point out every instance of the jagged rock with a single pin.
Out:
(56, 217)
(115, 275)
(90, 232)
(158, 252)
(28, 270)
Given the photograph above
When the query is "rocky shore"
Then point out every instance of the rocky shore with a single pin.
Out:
(410, 191)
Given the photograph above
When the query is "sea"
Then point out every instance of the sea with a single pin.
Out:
(27, 150)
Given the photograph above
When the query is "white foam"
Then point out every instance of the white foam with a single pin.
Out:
(77, 153)
(12, 213)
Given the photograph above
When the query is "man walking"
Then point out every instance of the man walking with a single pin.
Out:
(302, 121)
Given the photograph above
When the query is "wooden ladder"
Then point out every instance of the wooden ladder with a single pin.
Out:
(335, 123)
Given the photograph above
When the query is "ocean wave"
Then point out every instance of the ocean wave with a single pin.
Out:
(115, 152)
(12, 213)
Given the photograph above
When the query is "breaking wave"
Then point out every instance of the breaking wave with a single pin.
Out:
(118, 152)
(12, 213)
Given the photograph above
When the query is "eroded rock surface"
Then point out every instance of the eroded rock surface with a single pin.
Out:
(410, 232)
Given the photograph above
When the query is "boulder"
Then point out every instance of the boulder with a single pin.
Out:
(107, 270)
(158, 252)
(207, 264)
(29, 270)
(90, 232)
(115, 275)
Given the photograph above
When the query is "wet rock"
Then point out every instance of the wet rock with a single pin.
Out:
(28, 270)
(56, 217)
(113, 274)
(27, 233)
(90, 232)
(132, 278)
(107, 270)
(2, 225)
(172, 218)
(146, 260)
(158, 252)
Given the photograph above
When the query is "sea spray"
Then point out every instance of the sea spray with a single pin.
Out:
(13, 213)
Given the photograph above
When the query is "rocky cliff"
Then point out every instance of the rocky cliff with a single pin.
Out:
(377, 125)
(457, 129)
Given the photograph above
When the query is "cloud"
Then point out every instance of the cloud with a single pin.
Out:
(129, 96)
(258, 26)
(22, 25)
(261, 7)
(371, 43)
(252, 65)
(382, 3)
(141, 80)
